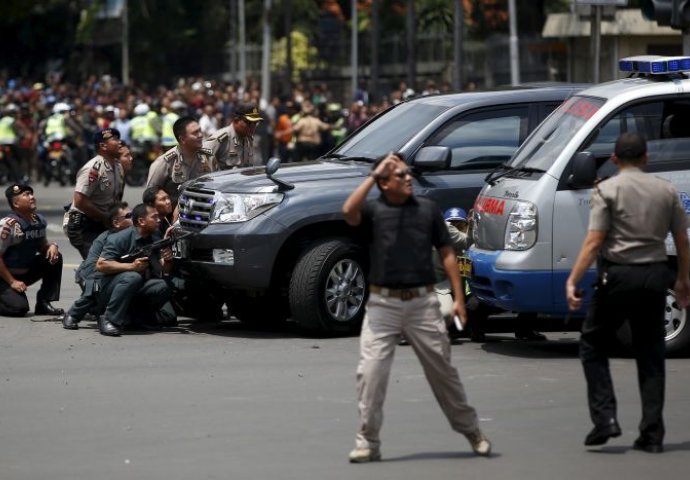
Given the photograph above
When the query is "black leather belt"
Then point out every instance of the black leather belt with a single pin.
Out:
(402, 293)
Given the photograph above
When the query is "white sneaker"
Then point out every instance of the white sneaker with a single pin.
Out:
(480, 444)
(363, 455)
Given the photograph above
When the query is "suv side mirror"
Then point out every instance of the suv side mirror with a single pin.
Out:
(432, 158)
(272, 166)
(584, 171)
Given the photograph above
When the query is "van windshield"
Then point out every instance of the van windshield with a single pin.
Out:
(549, 139)
(390, 131)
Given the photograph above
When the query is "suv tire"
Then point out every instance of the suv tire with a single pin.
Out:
(328, 287)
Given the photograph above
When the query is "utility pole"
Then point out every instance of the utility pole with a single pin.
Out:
(125, 44)
(411, 28)
(514, 54)
(375, 34)
(354, 48)
(458, 44)
(266, 54)
(232, 43)
(243, 43)
(288, 41)
(596, 41)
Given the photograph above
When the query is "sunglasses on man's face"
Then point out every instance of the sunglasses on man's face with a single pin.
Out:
(403, 173)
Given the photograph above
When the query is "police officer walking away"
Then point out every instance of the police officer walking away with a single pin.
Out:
(233, 146)
(402, 229)
(631, 215)
(26, 257)
(100, 184)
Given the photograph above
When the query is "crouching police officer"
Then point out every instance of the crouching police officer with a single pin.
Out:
(135, 291)
(26, 257)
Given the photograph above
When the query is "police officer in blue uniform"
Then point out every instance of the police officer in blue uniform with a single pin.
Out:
(26, 257)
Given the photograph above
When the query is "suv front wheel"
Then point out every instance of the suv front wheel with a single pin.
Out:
(328, 287)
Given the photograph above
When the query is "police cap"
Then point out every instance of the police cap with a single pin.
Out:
(104, 135)
(248, 111)
(16, 189)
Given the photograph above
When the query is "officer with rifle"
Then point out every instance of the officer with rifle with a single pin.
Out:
(130, 275)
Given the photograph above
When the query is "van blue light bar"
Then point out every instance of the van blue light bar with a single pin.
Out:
(654, 64)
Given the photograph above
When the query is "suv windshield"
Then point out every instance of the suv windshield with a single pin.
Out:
(390, 131)
(547, 141)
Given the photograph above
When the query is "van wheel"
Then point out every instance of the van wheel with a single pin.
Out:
(328, 288)
(676, 325)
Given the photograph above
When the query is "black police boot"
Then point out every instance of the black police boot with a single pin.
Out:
(69, 322)
(107, 328)
(45, 308)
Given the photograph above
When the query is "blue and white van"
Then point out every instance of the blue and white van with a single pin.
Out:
(532, 214)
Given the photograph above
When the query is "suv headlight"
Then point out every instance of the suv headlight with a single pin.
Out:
(521, 229)
(240, 207)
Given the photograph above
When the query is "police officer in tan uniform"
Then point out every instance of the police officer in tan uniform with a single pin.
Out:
(186, 161)
(26, 257)
(631, 215)
(233, 146)
(100, 184)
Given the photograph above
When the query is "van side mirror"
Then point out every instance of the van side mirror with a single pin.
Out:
(583, 171)
(432, 158)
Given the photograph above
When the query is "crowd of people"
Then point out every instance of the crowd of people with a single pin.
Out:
(299, 125)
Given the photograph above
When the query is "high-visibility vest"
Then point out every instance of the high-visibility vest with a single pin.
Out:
(7, 133)
(142, 129)
(55, 126)
(167, 134)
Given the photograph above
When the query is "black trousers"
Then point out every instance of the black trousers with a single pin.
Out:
(635, 293)
(15, 304)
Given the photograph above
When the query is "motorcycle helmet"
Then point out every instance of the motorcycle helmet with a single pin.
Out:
(61, 107)
(455, 215)
(141, 109)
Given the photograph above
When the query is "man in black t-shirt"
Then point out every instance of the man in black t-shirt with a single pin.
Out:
(402, 229)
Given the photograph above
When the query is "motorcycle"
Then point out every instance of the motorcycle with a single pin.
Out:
(8, 165)
(143, 153)
(58, 165)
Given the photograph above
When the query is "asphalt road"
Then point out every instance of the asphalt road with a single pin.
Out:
(209, 401)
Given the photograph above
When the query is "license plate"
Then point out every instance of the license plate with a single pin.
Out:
(55, 154)
(180, 249)
(465, 267)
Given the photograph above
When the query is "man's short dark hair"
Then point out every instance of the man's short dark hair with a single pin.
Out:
(114, 211)
(630, 147)
(149, 196)
(138, 212)
(180, 126)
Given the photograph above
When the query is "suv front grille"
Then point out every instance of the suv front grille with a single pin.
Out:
(196, 205)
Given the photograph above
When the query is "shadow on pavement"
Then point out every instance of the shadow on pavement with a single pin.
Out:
(235, 328)
(435, 456)
(617, 450)
(509, 346)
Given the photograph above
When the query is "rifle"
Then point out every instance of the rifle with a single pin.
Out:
(147, 250)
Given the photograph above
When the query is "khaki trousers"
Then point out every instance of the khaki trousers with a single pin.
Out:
(419, 319)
